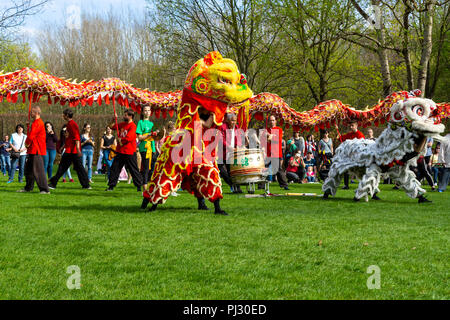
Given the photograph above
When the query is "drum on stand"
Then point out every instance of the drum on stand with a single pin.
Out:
(247, 168)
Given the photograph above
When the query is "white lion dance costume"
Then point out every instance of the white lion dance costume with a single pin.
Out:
(391, 155)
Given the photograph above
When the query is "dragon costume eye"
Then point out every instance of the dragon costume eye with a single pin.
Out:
(418, 109)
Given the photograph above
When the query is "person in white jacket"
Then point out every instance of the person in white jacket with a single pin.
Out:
(444, 158)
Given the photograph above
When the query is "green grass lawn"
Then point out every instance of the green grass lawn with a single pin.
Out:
(265, 248)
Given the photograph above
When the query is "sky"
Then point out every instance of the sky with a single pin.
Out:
(65, 12)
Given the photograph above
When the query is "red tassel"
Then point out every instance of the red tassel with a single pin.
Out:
(171, 112)
(132, 105)
(49, 100)
(164, 113)
(107, 99)
(83, 102)
(62, 102)
(23, 97)
(127, 103)
(316, 128)
(56, 100)
(35, 97)
(322, 126)
(99, 100)
(90, 101)
(376, 123)
(14, 98)
(157, 113)
(1, 98)
(8, 96)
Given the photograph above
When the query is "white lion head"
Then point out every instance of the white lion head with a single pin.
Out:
(417, 111)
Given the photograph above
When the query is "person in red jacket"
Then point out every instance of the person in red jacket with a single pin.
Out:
(72, 154)
(275, 152)
(36, 148)
(353, 134)
(126, 151)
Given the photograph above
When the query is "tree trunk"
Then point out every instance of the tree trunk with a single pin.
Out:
(405, 49)
(426, 46)
(383, 54)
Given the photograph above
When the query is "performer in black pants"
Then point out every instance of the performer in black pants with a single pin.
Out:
(72, 154)
(126, 151)
(68, 159)
(130, 163)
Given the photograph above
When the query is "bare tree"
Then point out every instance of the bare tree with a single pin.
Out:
(14, 14)
(188, 29)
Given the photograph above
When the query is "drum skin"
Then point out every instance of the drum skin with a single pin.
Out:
(247, 166)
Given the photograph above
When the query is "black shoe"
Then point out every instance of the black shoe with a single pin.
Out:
(355, 199)
(109, 189)
(345, 188)
(153, 208)
(221, 212)
(217, 209)
(145, 203)
(50, 186)
(286, 188)
(138, 189)
(87, 188)
(239, 190)
(422, 199)
(396, 188)
(375, 197)
(202, 204)
(326, 195)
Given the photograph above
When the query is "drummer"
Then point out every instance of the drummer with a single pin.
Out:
(232, 139)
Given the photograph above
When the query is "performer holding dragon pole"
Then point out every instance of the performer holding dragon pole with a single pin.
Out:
(212, 86)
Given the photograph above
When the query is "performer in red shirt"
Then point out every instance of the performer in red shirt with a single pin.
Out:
(275, 151)
(353, 134)
(36, 148)
(231, 139)
(126, 151)
(72, 154)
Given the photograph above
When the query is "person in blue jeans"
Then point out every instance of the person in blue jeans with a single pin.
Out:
(50, 140)
(5, 148)
(17, 142)
(107, 143)
(87, 149)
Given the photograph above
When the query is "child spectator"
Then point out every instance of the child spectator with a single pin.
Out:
(310, 175)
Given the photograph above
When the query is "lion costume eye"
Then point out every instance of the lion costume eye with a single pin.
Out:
(419, 110)
(224, 80)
